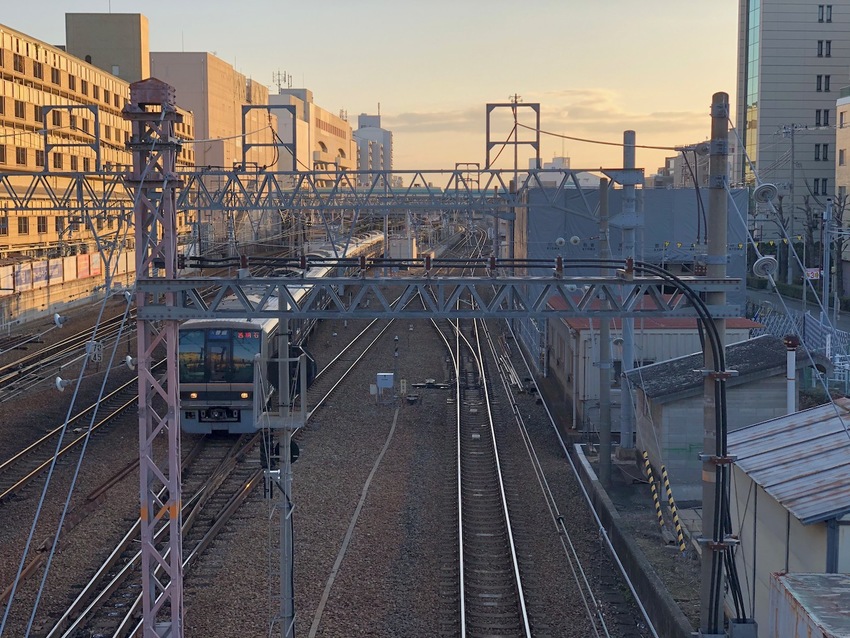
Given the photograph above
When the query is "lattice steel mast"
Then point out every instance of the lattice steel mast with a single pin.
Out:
(152, 110)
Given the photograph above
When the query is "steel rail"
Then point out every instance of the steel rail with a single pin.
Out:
(81, 610)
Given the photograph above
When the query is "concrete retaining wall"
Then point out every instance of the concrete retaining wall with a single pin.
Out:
(665, 614)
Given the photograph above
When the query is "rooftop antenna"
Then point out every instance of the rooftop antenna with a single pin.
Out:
(281, 78)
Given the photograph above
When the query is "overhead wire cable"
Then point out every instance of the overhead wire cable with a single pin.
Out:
(602, 142)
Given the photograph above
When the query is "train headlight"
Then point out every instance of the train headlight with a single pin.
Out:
(193, 395)
(244, 395)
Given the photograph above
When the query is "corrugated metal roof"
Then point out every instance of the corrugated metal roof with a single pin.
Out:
(802, 460)
(683, 373)
(822, 599)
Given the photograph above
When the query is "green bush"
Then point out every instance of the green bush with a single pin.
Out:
(756, 282)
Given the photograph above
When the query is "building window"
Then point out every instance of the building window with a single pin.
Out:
(57, 160)
(20, 109)
(56, 114)
(817, 152)
(23, 225)
(829, 13)
(39, 158)
(20, 156)
(107, 131)
(820, 48)
(115, 99)
(37, 112)
(55, 75)
(59, 224)
(819, 83)
(18, 63)
(106, 96)
(85, 125)
(826, 83)
(820, 13)
(75, 163)
(823, 186)
(842, 193)
(38, 70)
(4, 225)
(2, 105)
(72, 82)
(827, 49)
(84, 87)
(826, 117)
(841, 119)
(825, 154)
(41, 221)
(2, 153)
(95, 91)
(86, 164)
(841, 159)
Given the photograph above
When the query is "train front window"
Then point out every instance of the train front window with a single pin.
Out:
(218, 355)
(246, 345)
(192, 356)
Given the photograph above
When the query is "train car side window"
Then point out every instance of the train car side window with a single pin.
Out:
(192, 356)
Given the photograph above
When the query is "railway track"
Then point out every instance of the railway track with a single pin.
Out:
(18, 376)
(21, 469)
(488, 583)
(217, 481)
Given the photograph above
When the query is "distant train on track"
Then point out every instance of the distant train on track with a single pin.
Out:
(218, 357)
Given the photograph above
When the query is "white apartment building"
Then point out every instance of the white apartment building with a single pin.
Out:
(793, 58)
(374, 144)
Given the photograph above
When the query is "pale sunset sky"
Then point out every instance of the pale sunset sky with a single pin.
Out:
(597, 67)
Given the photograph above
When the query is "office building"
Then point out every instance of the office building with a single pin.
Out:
(322, 140)
(216, 94)
(114, 42)
(792, 60)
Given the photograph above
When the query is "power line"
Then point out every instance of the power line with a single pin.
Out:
(604, 143)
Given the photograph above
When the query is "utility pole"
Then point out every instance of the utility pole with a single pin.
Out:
(629, 222)
(604, 349)
(713, 459)
(827, 249)
(789, 274)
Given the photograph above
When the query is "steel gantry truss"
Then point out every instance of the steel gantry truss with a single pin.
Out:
(497, 296)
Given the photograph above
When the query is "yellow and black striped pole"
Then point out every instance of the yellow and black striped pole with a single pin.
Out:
(680, 535)
(648, 466)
